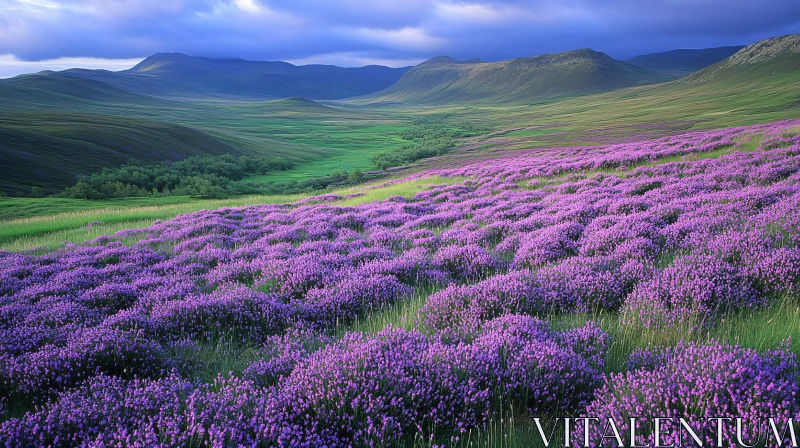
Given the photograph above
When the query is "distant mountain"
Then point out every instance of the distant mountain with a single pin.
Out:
(683, 61)
(523, 80)
(773, 57)
(181, 76)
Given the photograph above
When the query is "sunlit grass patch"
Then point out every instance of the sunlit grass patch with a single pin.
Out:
(406, 189)
(761, 330)
(52, 240)
(53, 231)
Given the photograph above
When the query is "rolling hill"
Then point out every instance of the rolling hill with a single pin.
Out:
(176, 75)
(51, 90)
(770, 58)
(443, 80)
(44, 152)
(682, 61)
(760, 83)
(55, 128)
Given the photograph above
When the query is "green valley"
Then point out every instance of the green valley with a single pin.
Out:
(58, 128)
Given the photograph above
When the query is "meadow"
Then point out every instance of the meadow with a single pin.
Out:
(49, 223)
(644, 278)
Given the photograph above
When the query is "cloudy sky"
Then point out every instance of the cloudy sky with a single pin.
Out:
(115, 34)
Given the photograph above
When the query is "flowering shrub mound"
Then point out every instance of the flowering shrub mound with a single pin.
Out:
(348, 299)
(89, 353)
(400, 382)
(117, 344)
(457, 311)
(697, 287)
(549, 245)
(360, 390)
(241, 314)
(701, 381)
(281, 354)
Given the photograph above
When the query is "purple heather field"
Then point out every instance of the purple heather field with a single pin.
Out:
(105, 344)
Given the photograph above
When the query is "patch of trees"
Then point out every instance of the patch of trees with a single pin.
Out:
(205, 177)
(335, 180)
(217, 176)
(430, 136)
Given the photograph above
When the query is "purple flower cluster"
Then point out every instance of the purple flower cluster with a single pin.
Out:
(579, 284)
(240, 314)
(699, 383)
(102, 334)
(361, 390)
(695, 287)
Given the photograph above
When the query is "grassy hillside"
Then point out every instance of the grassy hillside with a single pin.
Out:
(42, 152)
(49, 90)
(56, 128)
(548, 77)
(766, 59)
(182, 76)
(760, 83)
(683, 61)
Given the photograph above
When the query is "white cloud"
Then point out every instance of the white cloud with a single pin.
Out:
(407, 38)
(12, 66)
(474, 12)
(248, 5)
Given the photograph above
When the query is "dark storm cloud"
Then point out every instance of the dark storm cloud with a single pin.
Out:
(354, 32)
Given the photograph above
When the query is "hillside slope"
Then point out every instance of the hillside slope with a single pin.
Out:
(683, 61)
(50, 90)
(760, 83)
(444, 80)
(49, 151)
(773, 57)
(181, 76)
(55, 128)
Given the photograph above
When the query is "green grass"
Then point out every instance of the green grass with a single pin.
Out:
(401, 314)
(221, 357)
(406, 189)
(47, 240)
(761, 330)
(528, 132)
(11, 208)
(37, 231)
(342, 141)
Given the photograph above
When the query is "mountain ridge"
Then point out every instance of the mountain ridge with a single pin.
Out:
(778, 55)
(176, 75)
(532, 79)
